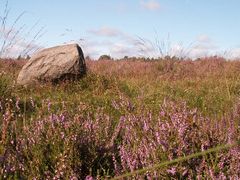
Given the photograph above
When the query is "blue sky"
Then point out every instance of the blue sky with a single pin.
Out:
(192, 28)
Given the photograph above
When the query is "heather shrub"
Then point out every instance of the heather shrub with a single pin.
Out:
(122, 116)
(178, 131)
(55, 143)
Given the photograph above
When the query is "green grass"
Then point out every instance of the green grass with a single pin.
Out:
(109, 91)
(210, 90)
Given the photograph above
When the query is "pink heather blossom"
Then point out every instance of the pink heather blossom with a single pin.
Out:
(172, 171)
(89, 178)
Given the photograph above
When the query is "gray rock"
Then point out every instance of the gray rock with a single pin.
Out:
(53, 65)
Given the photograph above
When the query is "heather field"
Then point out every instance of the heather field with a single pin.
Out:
(137, 116)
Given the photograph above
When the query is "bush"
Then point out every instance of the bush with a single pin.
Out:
(63, 145)
(105, 57)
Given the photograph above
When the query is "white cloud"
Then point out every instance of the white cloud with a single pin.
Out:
(93, 47)
(119, 50)
(198, 51)
(110, 41)
(21, 48)
(13, 44)
(203, 50)
(178, 50)
(106, 31)
(233, 53)
(128, 45)
(204, 38)
(203, 46)
(118, 44)
(151, 5)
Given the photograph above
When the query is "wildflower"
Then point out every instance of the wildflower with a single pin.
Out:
(88, 177)
(17, 103)
(172, 171)
(115, 105)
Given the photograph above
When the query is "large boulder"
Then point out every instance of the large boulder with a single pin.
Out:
(53, 65)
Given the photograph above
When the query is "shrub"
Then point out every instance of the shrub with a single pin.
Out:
(58, 144)
(105, 57)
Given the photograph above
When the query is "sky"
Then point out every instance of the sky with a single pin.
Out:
(151, 28)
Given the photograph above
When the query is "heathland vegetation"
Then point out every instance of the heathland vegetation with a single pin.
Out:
(123, 116)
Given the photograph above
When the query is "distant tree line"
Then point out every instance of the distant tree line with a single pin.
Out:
(108, 57)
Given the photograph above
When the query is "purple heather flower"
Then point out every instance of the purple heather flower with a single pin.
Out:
(73, 178)
(115, 105)
(62, 118)
(17, 103)
(89, 178)
(172, 170)
(211, 173)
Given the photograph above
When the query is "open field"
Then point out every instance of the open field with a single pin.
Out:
(122, 116)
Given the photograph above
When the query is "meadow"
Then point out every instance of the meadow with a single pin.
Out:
(122, 116)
